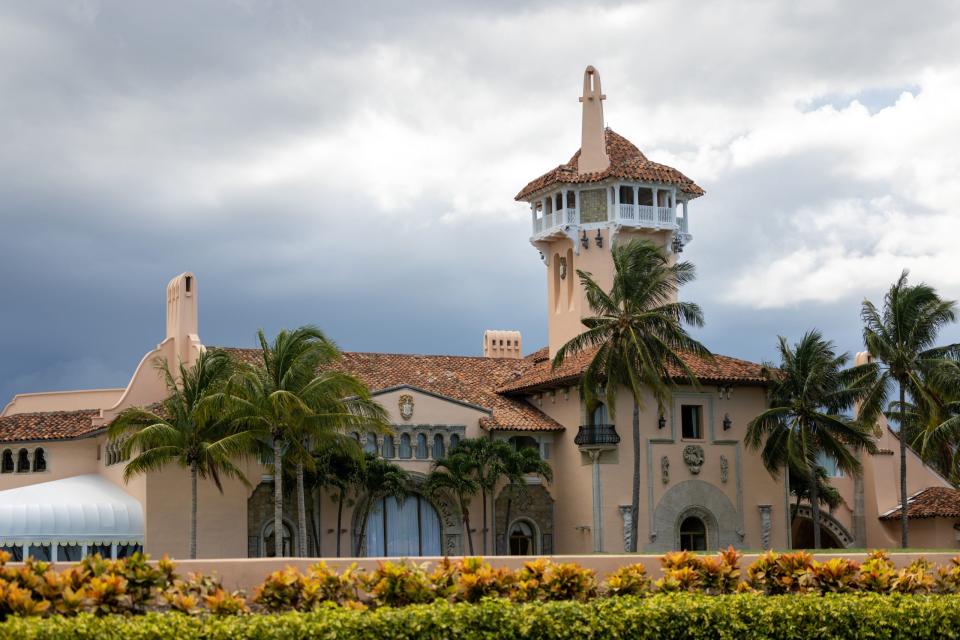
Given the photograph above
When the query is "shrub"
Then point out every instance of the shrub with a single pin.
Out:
(396, 584)
(541, 580)
(472, 580)
(774, 573)
(628, 580)
(281, 591)
(837, 575)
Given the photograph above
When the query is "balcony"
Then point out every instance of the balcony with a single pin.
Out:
(555, 219)
(641, 215)
(597, 435)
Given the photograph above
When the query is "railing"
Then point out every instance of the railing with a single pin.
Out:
(597, 434)
(555, 219)
(646, 215)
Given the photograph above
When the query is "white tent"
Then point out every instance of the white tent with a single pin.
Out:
(78, 513)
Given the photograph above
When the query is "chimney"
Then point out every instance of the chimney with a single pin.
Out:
(182, 322)
(502, 344)
(593, 140)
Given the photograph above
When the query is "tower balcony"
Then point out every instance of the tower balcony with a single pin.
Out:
(551, 221)
(597, 436)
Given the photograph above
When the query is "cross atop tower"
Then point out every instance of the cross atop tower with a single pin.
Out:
(593, 147)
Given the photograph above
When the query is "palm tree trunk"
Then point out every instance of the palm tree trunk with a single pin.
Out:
(193, 511)
(635, 498)
(342, 499)
(365, 514)
(466, 524)
(301, 510)
(904, 527)
(815, 506)
(277, 500)
(506, 521)
(483, 499)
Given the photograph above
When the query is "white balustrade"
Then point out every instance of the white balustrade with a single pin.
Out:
(555, 219)
(665, 215)
(627, 212)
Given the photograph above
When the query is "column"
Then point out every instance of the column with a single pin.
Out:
(597, 504)
(610, 212)
(859, 515)
(576, 205)
(533, 216)
(626, 512)
(765, 510)
(636, 203)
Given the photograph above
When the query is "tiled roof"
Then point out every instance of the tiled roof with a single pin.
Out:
(932, 502)
(626, 162)
(50, 425)
(723, 369)
(473, 380)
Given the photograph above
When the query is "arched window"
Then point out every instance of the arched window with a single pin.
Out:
(23, 460)
(438, 450)
(693, 534)
(422, 446)
(388, 448)
(371, 444)
(39, 460)
(268, 547)
(405, 451)
(355, 436)
(454, 441)
(524, 442)
(600, 415)
(6, 465)
(522, 539)
(405, 528)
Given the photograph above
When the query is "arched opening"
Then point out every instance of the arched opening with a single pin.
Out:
(6, 465)
(404, 528)
(803, 536)
(388, 448)
(522, 539)
(268, 546)
(370, 446)
(600, 415)
(23, 460)
(422, 446)
(39, 460)
(693, 534)
(438, 449)
(405, 451)
(524, 442)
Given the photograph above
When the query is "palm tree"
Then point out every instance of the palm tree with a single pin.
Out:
(339, 463)
(456, 473)
(187, 429)
(901, 340)
(489, 458)
(637, 330)
(522, 462)
(809, 394)
(379, 479)
(295, 395)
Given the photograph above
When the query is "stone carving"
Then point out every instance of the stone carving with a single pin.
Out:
(406, 406)
(693, 458)
(665, 469)
(765, 526)
(724, 469)
(626, 512)
(563, 268)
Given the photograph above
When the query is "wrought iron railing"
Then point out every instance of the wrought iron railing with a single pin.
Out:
(597, 434)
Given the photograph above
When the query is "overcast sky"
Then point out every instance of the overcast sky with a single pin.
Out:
(353, 165)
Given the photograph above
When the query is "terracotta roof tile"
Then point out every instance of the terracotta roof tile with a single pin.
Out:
(473, 380)
(626, 162)
(932, 502)
(540, 374)
(51, 425)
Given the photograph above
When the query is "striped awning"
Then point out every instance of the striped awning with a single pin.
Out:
(87, 509)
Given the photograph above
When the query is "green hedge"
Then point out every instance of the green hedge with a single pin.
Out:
(658, 616)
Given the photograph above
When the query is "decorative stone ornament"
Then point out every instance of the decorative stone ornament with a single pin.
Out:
(693, 458)
(724, 469)
(563, 268)
(665, 469)
(406, 406)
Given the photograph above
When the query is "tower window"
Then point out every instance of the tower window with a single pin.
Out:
(693, 534)
(23, 460)
(691, 419)
(39, 460)
(6, 466)
(189, 282)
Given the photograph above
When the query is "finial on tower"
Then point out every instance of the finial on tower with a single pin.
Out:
(593, 145)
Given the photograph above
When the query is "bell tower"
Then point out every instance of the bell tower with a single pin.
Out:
(608, 192)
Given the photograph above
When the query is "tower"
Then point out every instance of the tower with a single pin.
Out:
(608, 192)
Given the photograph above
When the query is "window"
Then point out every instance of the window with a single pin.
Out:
(6, 466)
(404, 528)
(39, 461)
(405, 452)
(524, 442)
(438, 449)
(454, 441)
(15, 551)
(600, 415)
(40, 552)
(829, 465)
(371, 444)
(69, 553)
(691, 418)
(522, 542)
(103, 550)
(23, 461)
(693, 534)
(127, 550)
(388, 447)
(422, 446)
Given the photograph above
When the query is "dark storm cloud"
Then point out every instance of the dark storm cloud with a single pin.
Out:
(353, 164)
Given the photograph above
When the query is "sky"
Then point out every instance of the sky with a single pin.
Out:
(353, 165)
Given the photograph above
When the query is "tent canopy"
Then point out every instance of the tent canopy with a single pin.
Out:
(87, 509)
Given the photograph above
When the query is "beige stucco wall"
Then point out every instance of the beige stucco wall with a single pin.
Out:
(64, 460)
(61, 401)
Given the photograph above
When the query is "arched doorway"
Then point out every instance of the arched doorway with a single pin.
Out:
(833, 535)
(406, 528)
(522, 540)
(693, 534)
(268, 541)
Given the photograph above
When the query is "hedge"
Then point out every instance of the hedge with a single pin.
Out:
(676, 615)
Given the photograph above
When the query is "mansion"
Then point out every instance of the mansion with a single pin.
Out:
(62, 493)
